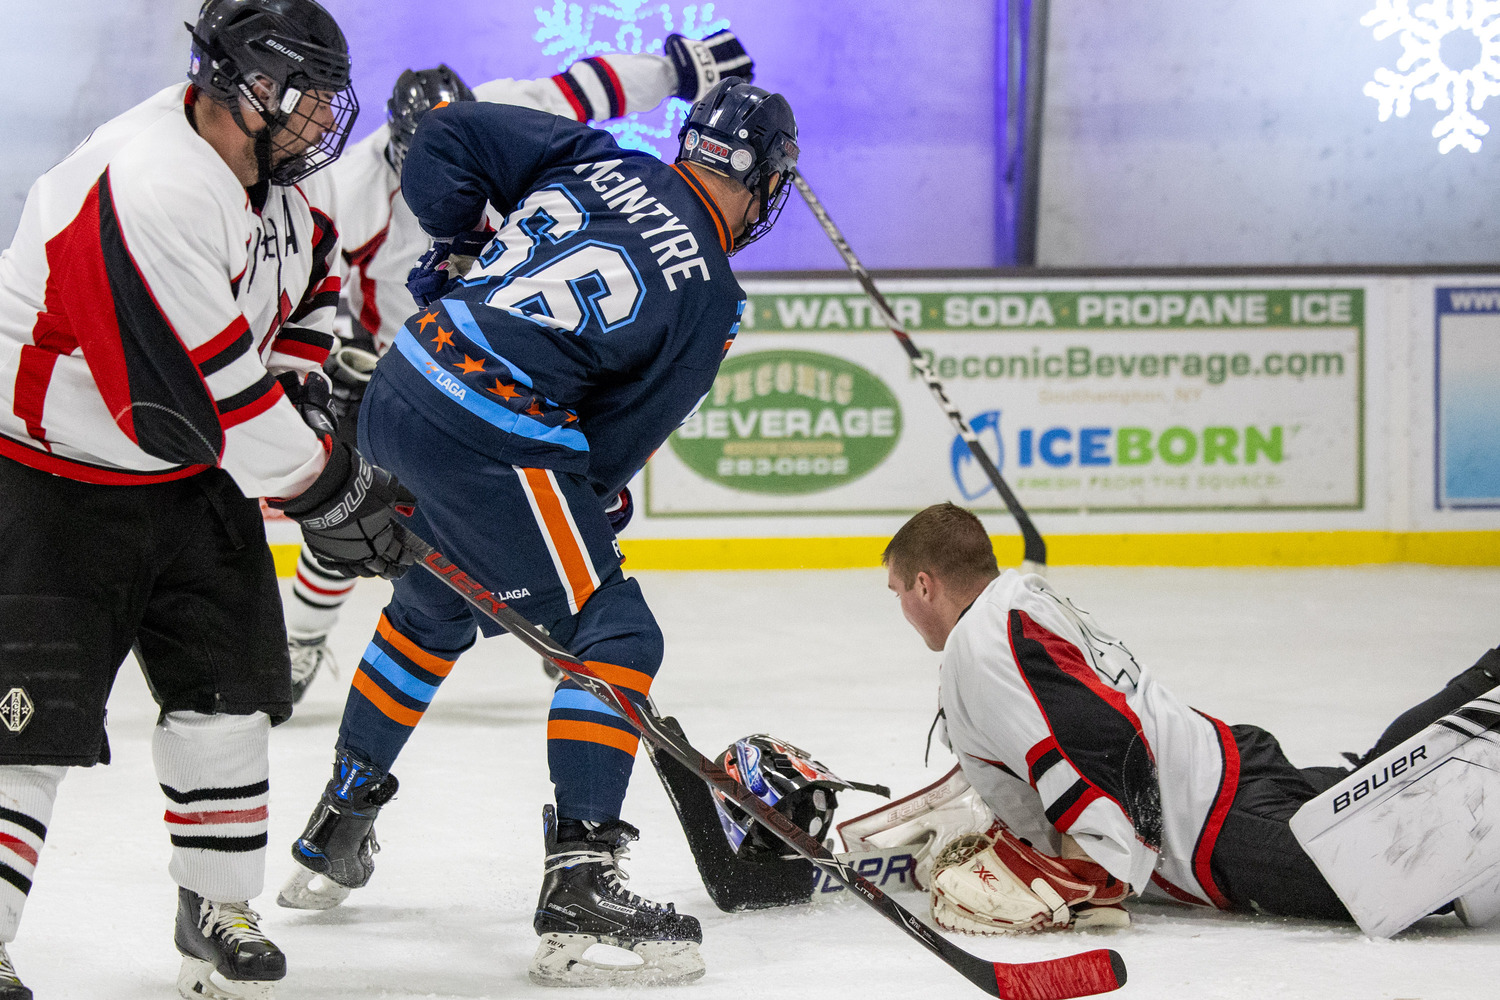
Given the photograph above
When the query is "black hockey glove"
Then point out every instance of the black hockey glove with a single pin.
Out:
(349, 368)
(701, 64)
(620, 510)
(445, 262)
(312, 395)
(348, 516)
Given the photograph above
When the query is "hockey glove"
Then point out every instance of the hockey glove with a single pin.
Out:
(701, 64)
(446, 261)
(348, 516)
(988, 886)
(349, 368)
(620, 510)
(313, 397)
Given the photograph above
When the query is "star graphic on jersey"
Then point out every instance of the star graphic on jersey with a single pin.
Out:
(443, 339)
(422, 322)
(570, 418)
(470, 366)
(534, 409)
(504, 391)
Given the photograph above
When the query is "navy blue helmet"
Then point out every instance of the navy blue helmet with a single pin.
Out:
(417, 92)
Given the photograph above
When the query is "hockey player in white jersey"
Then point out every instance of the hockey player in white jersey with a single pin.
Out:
(382, 240)
(165, 309)
(1101, 778)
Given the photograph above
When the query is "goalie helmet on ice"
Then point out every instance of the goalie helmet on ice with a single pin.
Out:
(782, 776)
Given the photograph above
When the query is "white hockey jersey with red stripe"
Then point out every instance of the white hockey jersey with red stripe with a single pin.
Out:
(382, 239)
(146, 303)
(1047, 711)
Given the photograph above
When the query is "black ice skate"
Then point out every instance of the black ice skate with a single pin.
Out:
(11, 987)
(224, 954)
(339, 842)
(584, 902)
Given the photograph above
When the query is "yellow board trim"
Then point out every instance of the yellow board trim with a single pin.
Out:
(1284, 548)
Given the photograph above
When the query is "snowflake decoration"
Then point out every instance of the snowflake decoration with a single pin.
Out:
(1424, 75)
(573, 31)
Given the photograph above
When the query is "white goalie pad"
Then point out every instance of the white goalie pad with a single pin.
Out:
(1414, 829)
(919, 824)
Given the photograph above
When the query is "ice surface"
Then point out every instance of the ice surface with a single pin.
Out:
(1322, 658)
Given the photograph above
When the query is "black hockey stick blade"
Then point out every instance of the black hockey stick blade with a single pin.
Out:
(1086, 974)
(1034, 548)
(732, 882)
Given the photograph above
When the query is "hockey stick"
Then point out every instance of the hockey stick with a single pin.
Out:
(1035, 549)
(1086, 974)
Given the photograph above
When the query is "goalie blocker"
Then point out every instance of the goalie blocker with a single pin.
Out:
(1411, 830)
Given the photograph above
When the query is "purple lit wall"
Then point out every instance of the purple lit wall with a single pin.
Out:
(895, 102)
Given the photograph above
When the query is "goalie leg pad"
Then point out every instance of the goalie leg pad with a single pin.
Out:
(1412, 830)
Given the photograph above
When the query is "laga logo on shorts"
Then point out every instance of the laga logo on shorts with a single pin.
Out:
(971, 479)
(16, 709)
(790, 422)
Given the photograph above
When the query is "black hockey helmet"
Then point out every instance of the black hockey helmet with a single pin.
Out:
(748, 134)
(417, 92)
(275, 55)
(783, 776)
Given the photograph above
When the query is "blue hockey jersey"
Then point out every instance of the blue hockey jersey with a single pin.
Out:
(597, 317)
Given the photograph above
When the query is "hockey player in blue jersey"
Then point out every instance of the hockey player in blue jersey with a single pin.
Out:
(517, 406)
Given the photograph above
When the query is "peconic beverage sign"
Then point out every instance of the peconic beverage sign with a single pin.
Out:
(790, 422)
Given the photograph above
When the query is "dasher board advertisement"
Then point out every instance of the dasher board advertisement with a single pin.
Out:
(1467, 341)
(1182, 398)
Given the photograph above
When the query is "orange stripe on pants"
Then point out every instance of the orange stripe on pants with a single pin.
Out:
(622, 677)
(392, 709)
(592, 732)
(412, 651)
(555, 522)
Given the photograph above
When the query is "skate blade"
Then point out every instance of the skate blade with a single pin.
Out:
(562, 960)
(307, 890)
(198, 980)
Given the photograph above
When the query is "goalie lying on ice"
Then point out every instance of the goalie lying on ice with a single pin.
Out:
(1104, 780)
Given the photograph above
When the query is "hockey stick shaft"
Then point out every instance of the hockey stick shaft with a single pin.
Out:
(1035, 549)
(1086, 974)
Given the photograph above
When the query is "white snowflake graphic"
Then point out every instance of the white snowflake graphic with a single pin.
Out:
(573, 31)
(1422, 71)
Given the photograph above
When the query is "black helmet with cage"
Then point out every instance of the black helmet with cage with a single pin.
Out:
(417, 92)
(287, 61)
(748, 134)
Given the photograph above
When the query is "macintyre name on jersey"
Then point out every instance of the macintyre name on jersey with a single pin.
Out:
(381, 237)
(1035, 693)
(597, 317)
(146, 302)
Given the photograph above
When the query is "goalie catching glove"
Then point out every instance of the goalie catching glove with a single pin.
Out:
(348, 516)
(995, 882)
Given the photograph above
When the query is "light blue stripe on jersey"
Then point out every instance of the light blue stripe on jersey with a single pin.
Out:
(581, 701)
(391, 671)
(487, 410)
(458, 311)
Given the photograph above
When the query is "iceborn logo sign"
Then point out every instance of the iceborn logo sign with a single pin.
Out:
(786, 421)
(16, 709)
(971, 479)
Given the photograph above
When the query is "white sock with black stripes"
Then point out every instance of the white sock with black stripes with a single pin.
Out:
(27, 792)
(215, 773)
(317, 596)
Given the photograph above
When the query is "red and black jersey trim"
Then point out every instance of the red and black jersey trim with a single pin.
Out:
(300, 342)
(360, 259)
(322, 285)
(583, 109)
(225, 349)
(86, 472)
(143, 371)
(613, 91)
(1208, 837)
(250, 403)
(1093, 729)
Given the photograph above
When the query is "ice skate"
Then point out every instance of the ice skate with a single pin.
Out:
(339, 842)
(584, 903)
(309, 656)
(224, 954)
(11, 987)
